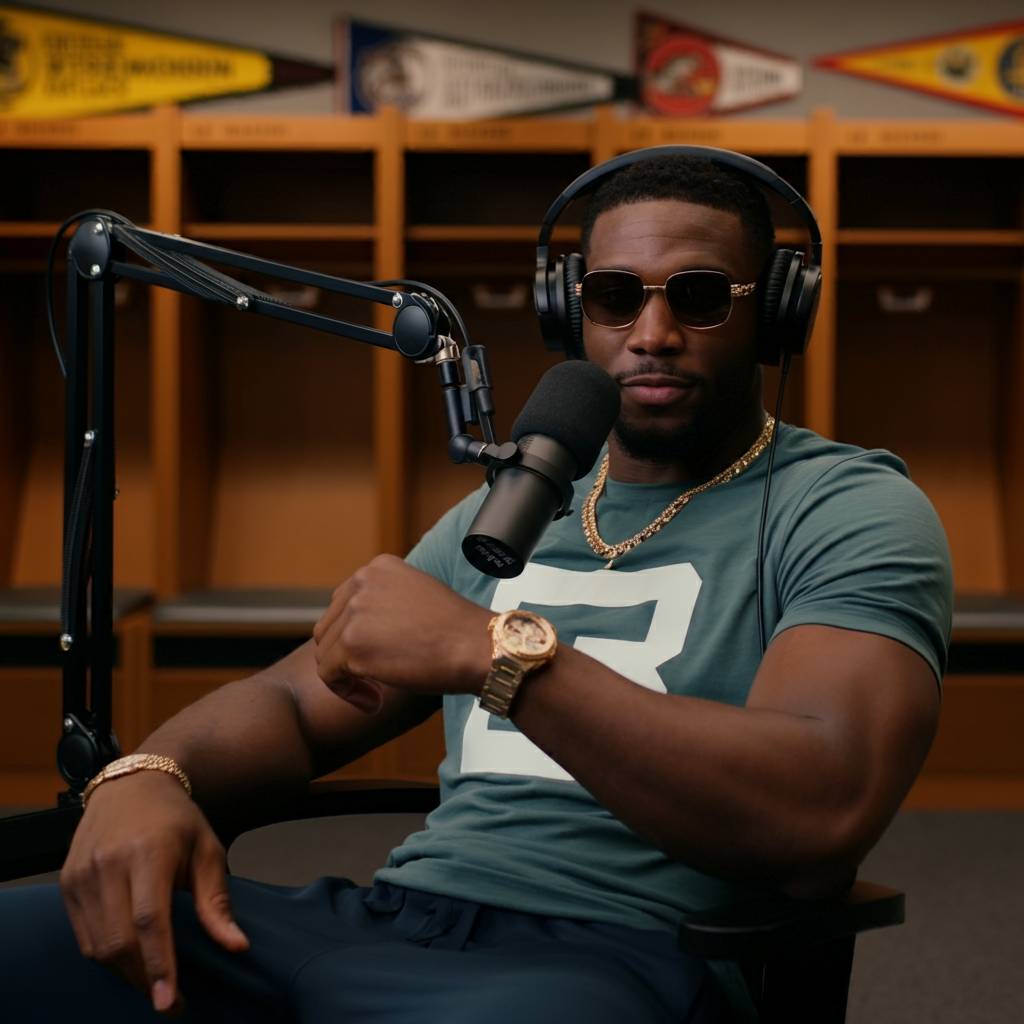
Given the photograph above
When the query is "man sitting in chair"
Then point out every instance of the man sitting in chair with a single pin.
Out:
(650, 761)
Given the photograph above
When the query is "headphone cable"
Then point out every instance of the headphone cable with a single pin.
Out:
(784, 373)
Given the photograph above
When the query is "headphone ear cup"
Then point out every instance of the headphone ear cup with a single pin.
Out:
(774, 287)
(572, 272)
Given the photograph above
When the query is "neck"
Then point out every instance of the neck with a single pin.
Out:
(692, 461)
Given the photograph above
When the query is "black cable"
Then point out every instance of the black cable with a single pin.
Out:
(434, 293)
(786, 358)
(51, 323)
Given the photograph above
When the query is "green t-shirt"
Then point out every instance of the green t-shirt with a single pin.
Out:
(850, 542)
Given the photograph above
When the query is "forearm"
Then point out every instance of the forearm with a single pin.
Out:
(243, 738)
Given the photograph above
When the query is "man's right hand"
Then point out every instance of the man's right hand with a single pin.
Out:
(140, 838)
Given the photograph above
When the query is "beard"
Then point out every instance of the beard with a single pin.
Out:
(661, 444)
(698, 437)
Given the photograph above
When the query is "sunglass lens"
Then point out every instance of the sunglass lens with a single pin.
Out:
(699, 298)
(611, 298)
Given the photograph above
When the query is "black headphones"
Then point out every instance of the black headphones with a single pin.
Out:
(788, 288)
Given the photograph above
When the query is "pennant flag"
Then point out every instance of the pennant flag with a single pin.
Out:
(438, 78)
(685, 72)
(55, 65)
(982, 66)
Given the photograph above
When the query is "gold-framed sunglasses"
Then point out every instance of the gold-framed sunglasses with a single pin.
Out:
(699, 299)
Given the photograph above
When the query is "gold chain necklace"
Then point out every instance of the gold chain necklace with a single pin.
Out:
(616, 551)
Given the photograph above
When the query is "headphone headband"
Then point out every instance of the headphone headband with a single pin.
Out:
(788, 289)
(723, 157)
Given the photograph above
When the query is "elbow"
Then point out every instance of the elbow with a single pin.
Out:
(838, 842)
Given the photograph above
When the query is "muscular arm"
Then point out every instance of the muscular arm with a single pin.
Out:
(273, 732)
(795, 787)
(141, 836)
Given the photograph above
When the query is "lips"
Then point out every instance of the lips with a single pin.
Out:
(658, 388)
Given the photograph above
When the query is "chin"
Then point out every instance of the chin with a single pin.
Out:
(657, 442)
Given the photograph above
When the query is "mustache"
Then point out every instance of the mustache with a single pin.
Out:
(654, 370)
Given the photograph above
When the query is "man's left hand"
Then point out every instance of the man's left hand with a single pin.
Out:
(391, 624)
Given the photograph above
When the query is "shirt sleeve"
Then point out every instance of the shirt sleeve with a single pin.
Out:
(865, 550)
(437, 551)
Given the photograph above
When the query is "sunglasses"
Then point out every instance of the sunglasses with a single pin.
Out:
(699, 299)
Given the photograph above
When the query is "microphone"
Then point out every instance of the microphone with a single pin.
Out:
(559, 433)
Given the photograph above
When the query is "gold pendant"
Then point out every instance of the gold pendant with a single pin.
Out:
(611, 563)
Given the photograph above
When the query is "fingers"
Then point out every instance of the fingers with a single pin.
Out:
(332, 660)
(339, 599)
(151, 918)
(99, 903)
(363, 694)
(213, 902)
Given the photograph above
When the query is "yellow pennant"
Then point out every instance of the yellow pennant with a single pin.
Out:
(983, 66)
(52, 65)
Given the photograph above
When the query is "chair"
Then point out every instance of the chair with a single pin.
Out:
(795, 955)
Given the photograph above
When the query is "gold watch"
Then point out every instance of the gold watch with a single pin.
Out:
(522, 642)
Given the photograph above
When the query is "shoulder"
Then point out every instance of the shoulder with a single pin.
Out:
(822, 481)
(857, 544)
(436, 551)
(806, 461)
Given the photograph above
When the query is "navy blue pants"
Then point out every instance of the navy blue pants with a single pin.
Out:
(335, 952)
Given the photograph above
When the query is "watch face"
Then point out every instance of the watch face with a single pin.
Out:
(525, 635)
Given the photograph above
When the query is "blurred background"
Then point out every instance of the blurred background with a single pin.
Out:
(259, 463)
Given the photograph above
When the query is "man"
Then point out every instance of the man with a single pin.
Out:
(654, 762)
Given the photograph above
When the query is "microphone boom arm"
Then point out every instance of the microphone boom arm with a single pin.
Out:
(98, 254)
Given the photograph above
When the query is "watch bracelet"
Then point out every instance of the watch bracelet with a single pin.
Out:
(139, 763)
(501, 686)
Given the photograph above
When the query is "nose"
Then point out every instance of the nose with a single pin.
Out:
(656, 330)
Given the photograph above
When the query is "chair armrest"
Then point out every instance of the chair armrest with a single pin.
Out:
(764, 928)
(328, 797)
(37, 841)
(333, 797)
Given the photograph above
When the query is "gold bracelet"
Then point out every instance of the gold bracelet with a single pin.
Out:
(136, 763)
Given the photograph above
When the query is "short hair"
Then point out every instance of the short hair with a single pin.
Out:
(688, 179)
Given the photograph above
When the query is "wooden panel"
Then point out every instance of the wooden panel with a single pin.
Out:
(31, 699)
(200, 131)
(966, 793)
(391, 372)
(776, 137)
(924, 387)
(278, 186)
(820, 360)
(30, 788)
(931, 138)
(486, 233)
(37, 545)
(929, 236)
(223, 231)
(414, 756)
(514, 134)
(165, 385)
(1011, 430)
(31, 724)
(133, 130)
(492, 189)
(980, 727)
(14, 419)
(294, 500)
(196, 446)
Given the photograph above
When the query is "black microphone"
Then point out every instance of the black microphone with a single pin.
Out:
(559, 434)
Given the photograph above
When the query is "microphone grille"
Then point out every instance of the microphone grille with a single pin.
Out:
(576, 403)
